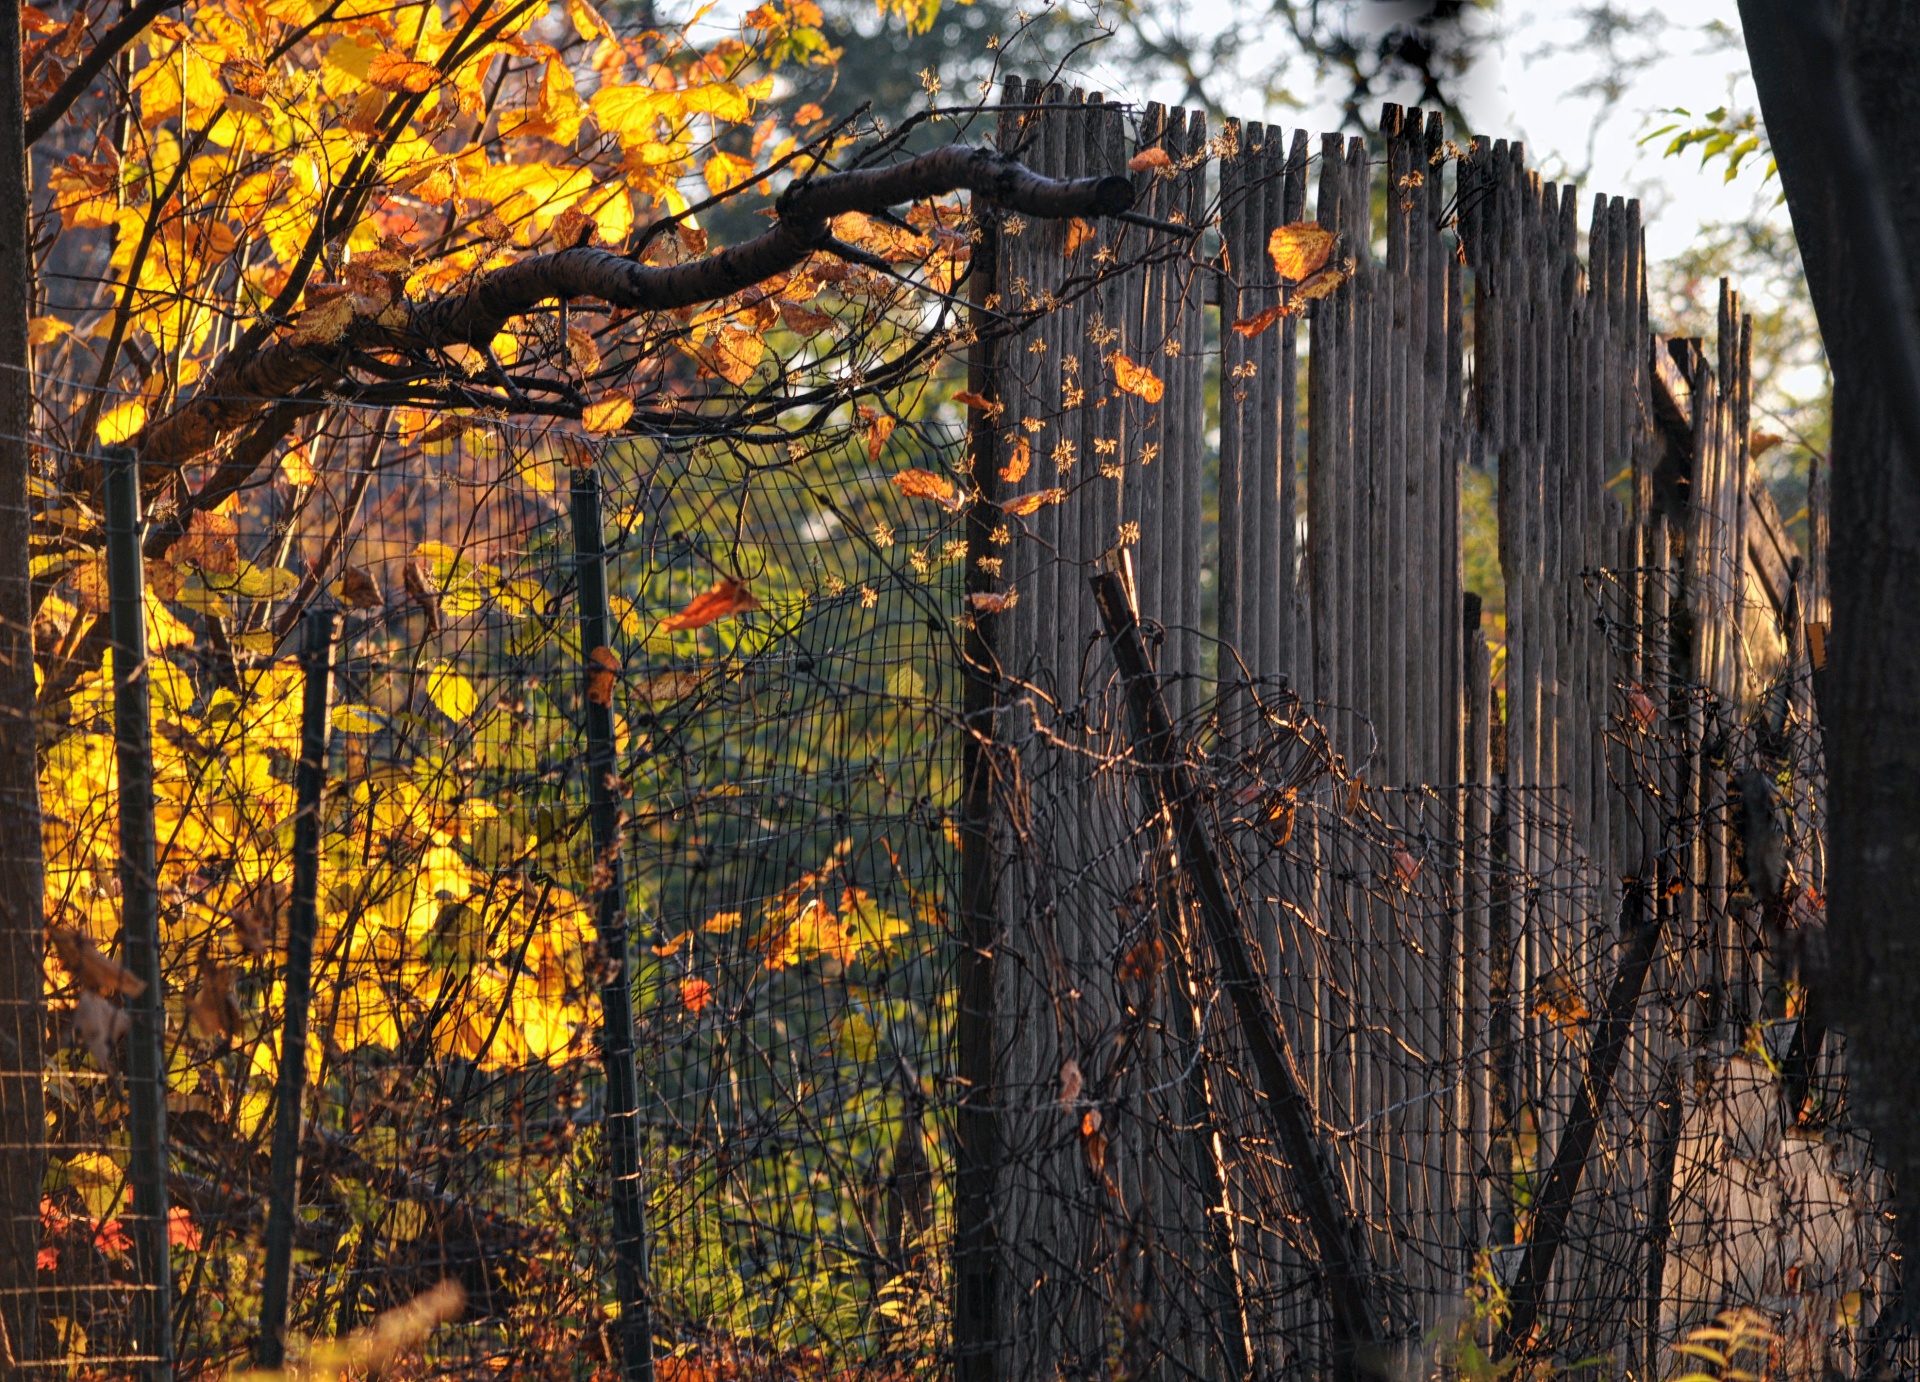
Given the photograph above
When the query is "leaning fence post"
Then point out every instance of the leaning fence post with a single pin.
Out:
(283, 1172)
(631, 1271)
(139, 911)
(1361, 1324)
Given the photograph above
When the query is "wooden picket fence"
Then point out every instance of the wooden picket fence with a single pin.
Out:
(1508, 944)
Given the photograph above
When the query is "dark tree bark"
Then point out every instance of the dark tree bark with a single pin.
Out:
(1838, 84)
(246, 385)
(22, 1118)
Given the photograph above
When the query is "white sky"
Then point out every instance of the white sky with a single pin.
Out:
(1529, 88)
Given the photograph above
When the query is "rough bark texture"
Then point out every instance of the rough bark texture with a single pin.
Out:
(1870, 693)
(240, 389)
(21, 1114)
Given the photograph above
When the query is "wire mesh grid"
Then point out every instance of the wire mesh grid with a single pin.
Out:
(785, 776)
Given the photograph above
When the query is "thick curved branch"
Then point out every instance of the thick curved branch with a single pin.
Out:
(239, 389)
(123, 32)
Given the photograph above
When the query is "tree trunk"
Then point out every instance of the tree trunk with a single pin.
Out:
(22, 1119)
(1834, 168)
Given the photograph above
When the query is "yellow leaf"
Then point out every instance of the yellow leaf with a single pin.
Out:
(608, 415)
(44, 330)
(587, 21)
(725, 171)
(297, 466)
(122, 422)
(721, 100)
(1137, 379)
(1078, 233)
(1299, 249)
(452, 693)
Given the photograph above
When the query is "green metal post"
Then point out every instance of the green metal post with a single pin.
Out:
(283, 1170)
(631, 1268)
(140, 913)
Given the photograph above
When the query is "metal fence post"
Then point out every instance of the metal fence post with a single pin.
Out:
(139, 911)
(283, 1173)
(631, 1270)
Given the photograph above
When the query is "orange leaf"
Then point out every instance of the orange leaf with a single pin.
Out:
(1023, 504)
(808, 114)
(1556, 997)
(1641, 707)
(695, 994)
(1142, 962)
(81, 958)
(392, 72)
(974, 400)
(608, 415)
(1760, 443)
(1254, 325)
(1299, 249)
(603, 665)
(1137, 379)
(1405, 867)
(180, 1230)
(878, 430)
(924, 484)
(1320, 285)
(323, 323)
(1015, 470)
(572, 228)
(727, 596)
(988, 602)
(804, 320)
(735, 354)
(1149, 158)
(1078, 233)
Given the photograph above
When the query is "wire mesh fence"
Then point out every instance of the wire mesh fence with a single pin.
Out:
(758, 927)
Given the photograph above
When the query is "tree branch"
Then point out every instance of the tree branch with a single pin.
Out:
(242, 387)
(111, 42)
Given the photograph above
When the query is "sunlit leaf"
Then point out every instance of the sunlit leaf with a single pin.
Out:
(1260, 321)
(1022, 505)
(452, 693)
(1137, 380)
(1148, 159)
(609, 414)
(1019, 461)
(924, 484)
(726, 597)
(122, 422)
(1299, 249)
